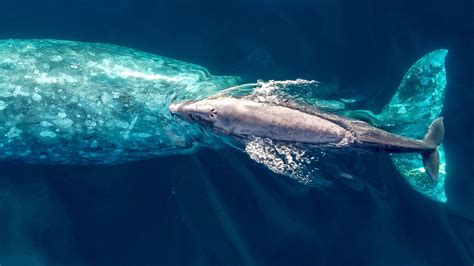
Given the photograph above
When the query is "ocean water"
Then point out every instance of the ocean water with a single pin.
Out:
(213, 204)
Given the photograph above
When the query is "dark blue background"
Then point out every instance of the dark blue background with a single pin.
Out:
(219, 207)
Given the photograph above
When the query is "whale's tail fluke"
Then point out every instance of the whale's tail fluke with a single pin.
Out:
(433, 138)
(416, 103)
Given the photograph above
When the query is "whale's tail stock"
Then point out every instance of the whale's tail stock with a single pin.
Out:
(433, 138)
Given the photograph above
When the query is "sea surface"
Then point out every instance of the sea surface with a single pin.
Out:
(217, 206)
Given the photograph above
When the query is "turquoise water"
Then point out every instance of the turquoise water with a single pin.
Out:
(95, 171)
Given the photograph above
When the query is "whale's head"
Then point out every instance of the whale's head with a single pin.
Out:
(220, 114)
(203, 112)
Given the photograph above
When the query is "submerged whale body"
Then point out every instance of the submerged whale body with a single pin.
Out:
(80, 103)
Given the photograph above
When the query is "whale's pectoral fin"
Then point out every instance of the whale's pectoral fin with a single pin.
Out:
(309, 166)
(433, 138)
(289, 160)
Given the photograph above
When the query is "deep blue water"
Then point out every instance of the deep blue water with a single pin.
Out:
(218, 207)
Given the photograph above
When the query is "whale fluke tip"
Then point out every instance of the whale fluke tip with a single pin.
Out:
(433, 138)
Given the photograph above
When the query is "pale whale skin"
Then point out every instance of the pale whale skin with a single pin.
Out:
(80, 103)
(243, 117)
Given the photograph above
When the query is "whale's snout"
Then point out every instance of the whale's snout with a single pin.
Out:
(174, 108)
(181, 109)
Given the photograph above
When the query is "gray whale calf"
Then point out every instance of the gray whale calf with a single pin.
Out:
(243, 117)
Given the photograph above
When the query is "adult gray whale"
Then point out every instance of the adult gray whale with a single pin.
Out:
(65, 102)
(243, 117)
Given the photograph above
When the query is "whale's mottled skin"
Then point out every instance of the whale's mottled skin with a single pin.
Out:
(288, 123)
(79, 103)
